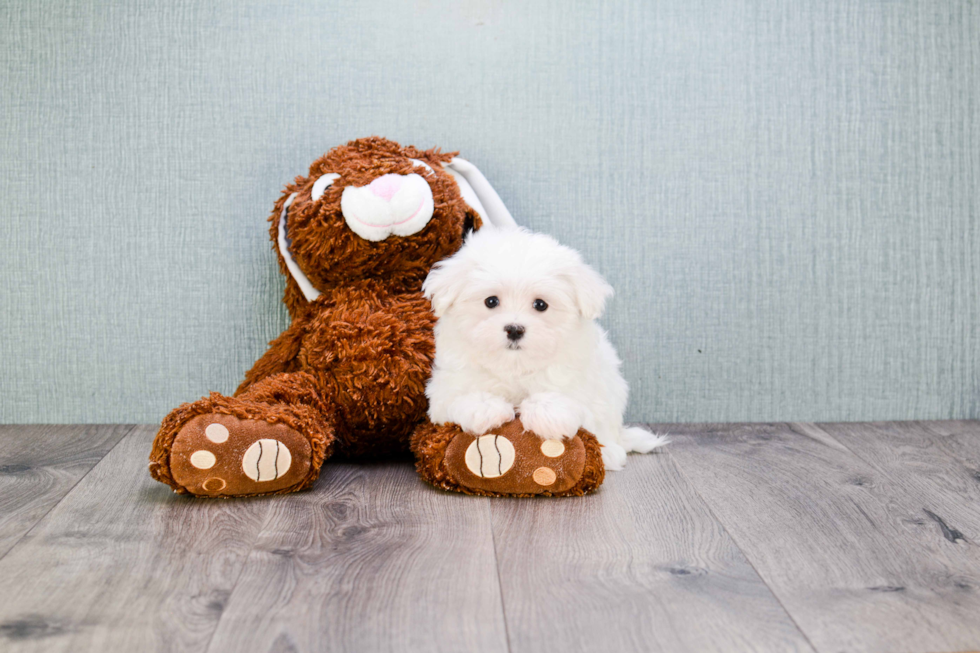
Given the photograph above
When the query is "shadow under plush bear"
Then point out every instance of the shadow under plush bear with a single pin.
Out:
(355, 240)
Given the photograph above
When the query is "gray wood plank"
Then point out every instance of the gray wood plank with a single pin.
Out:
(123, 564)
(39, 464)
(938, 463)
(845, 548)
(371, 560)
(640, 566)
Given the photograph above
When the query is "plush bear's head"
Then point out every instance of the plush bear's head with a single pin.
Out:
(368, 209)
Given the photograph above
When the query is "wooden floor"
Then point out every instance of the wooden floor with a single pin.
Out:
(761, 537)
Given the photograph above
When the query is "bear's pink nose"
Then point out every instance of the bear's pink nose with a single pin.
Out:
(386, 186)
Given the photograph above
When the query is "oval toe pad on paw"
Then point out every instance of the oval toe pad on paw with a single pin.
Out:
(490, 456)
(221, 455)
(266, 460)
(510, 460)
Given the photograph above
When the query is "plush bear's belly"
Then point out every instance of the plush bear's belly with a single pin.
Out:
(371, 351)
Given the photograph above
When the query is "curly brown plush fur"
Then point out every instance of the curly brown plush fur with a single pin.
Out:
(332, 255)
(348, 376)
(350, 371)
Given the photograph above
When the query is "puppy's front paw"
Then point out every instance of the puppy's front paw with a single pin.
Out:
(613, 457)
(479, 412)
(551, 415)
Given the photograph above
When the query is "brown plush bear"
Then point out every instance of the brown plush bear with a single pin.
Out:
(355, 240)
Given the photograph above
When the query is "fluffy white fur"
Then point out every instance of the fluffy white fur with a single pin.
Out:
(562, 374)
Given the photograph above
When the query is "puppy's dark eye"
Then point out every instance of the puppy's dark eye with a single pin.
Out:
(491, 302)
(540, 305)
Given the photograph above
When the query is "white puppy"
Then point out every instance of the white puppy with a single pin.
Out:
(516, 330)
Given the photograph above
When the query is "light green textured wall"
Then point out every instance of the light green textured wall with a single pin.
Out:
(784, 194)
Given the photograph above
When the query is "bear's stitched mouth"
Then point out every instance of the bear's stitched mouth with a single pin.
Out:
(393, 224)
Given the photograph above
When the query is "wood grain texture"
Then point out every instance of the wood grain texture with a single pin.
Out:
(123, 564)
(936, 462)
(847, 550)
(771, 537)
(39, 464)
(371, 560)
(640, 566)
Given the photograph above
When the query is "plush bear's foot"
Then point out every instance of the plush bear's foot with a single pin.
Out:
(233, 450)
(507, 461)
(221, 455)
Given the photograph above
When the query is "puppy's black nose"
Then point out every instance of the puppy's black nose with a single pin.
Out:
(514, 332)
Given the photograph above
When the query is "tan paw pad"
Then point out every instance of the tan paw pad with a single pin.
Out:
(214, 484)
(490, 456)
(544, 476)
(552, 448)
(216, 433)
(203, 459)
(266, 460)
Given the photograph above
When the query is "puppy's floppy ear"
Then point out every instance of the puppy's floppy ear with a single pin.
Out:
(445, 283)
(590, 290)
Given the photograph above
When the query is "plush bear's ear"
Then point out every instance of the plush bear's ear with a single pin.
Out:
(445, 283)
(283, 241)
(320, 185)
(590, 290)
(479, 194)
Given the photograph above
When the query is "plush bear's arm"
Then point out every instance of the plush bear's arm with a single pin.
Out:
(281, 356)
